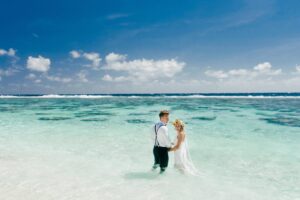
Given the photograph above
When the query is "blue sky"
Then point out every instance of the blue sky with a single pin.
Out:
(147, 46)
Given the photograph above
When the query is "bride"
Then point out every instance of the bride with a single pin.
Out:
(182, 158)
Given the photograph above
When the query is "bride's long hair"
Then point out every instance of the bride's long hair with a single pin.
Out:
(179, 123)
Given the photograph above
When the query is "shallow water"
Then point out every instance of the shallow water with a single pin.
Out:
(99, 148)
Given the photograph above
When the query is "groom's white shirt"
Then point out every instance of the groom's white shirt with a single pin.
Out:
(162, 135)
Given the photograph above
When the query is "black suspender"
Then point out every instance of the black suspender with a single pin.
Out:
(156, 130)
(156, 141)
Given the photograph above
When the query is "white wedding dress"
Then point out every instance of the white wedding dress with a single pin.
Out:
(182, 159)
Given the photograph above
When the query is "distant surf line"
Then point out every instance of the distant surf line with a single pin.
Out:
(160, 95)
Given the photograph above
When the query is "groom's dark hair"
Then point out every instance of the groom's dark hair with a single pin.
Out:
(163, 113)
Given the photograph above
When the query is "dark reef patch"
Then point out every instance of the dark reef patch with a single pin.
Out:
(68, 108)
(205, 118)
(5, 109)
(42, 113)
(264, 114)
(92, 113)
(153, 111)
(47, 108)
(137, 121)
(93, 120)
(224, 109)
(185, 107)
(129, 108)
(137, 114)
(284, 121)
(54, 118)
(108, 107)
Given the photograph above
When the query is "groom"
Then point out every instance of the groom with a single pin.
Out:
(161, 141)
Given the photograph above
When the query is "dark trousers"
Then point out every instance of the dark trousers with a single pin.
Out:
(161, 156)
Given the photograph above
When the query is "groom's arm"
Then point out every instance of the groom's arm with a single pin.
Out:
(170, 142)
(166, 137)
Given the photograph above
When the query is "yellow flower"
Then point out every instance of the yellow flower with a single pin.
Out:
(178, 122)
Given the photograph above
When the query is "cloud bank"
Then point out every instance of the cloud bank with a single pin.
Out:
(39, 64)
(141, 69)
(146, 75)
(10, 52)
(262, 69)
(93, 57)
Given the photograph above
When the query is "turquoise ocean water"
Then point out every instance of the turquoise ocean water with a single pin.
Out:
(98, 147)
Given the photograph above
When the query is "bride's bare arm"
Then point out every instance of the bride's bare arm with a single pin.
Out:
(179, 140)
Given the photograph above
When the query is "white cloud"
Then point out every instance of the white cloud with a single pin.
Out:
(219, 74)
(31, 76)
(39, 64)
(59, 79)
(262, 69)
(94, 57)
(107, 77)
(90, 56)
(7, 72)
(266, 68)
(10, 52)
(10, 70)
(298, 68)
(113, 57)
(75, 54)
(2, 52)
(122, 78)
(238, 72)
(142, 69)
(82, 76)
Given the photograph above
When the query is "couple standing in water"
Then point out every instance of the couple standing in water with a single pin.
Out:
(163, 145)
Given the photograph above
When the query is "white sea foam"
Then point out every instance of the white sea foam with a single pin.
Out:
(83, 96)
(57, 96)
(7, 96)
(236, 97)
(134, 96)
(194, 96)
